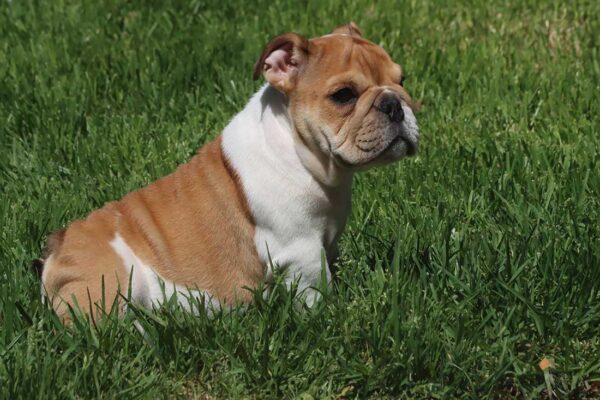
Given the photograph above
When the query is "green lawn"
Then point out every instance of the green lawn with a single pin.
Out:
(460, 270)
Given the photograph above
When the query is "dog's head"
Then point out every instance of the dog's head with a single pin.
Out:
(346, 96)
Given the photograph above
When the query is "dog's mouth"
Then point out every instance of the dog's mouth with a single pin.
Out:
(387, 154)
(394, 141)
(411, 145)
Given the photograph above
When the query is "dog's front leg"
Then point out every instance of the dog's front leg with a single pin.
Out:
(311, 277)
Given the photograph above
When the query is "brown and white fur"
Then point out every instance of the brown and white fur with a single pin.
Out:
(274, 187)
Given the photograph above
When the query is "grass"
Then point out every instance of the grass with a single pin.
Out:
(460, 270)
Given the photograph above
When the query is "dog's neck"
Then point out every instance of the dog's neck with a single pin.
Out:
(278, 128)
(291, 193)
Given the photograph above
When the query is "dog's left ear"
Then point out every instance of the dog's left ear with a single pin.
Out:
(349, 29)
(282, 61)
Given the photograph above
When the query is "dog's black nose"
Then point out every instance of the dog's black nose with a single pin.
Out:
(391, 106)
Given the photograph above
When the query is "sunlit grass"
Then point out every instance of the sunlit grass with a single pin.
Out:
(460, 269)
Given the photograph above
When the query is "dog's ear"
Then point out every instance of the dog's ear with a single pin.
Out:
(349, 29)
(282, 60)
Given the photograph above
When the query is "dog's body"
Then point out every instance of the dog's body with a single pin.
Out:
(273, 190)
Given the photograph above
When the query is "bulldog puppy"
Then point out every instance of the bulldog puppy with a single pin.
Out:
(273, 191)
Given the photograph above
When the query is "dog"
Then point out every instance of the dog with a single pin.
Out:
(271, 193)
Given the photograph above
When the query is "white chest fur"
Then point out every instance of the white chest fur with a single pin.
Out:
(296, 216)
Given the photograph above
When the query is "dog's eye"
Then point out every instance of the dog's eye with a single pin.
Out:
(344, 95)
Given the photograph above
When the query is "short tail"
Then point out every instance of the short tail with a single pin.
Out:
(37, 266)
(53, 245)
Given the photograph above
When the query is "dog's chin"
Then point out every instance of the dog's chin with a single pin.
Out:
(398, 149)
(400, 146)
(400, 141)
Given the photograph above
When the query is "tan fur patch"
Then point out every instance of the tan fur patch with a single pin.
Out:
(193, 227)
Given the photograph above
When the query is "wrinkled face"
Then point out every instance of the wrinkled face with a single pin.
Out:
(348, 100)
(346, 97)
